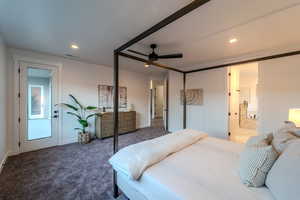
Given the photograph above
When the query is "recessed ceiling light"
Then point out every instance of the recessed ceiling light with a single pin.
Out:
(147, 65)
(233, 40)
(74, 46)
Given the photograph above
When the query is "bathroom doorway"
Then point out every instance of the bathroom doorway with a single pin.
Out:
(243, 101)
(158, 103)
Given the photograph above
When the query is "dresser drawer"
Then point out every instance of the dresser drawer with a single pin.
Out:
(105, 126)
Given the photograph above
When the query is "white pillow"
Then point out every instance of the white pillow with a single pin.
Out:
(282, 140)
(260, 140)
(284, 177)
(288, 126)
(292, 128)
(284, 136)
(255, 163)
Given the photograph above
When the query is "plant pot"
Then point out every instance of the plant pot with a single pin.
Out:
(84, 138)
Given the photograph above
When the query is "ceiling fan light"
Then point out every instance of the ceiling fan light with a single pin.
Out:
(154, 56)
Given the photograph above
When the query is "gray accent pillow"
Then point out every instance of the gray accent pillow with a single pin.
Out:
(284, 177)
(255, 163)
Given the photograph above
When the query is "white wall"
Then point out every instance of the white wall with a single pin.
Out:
(3, 103)
(81, 80)
(278, 91)
(212, 116)
(175, 108)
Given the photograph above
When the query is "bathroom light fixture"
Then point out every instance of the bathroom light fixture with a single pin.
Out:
(294, 116)
(74, 46)
(233, 40)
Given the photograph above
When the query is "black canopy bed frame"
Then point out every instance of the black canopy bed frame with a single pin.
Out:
(119, 52)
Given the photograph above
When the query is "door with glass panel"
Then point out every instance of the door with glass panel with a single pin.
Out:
(38, 114)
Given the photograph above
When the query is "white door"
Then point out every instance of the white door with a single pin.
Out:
(165, 107)
(38, 114)
(234, 101)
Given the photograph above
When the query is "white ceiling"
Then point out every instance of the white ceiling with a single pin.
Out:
(100, 26)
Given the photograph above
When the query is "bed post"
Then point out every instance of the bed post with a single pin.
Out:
(184, 100)
(167, 105)
(116, 116)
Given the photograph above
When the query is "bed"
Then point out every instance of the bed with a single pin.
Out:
(204, 170)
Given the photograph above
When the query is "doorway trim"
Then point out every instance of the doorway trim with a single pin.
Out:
(234, 87)
(16, 133)
(152, 100)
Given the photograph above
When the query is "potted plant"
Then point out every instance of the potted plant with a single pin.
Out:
(82, 115)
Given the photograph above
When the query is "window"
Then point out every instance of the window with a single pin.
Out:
(36, 101)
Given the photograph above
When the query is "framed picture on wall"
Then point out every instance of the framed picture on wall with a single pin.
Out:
(193, 97)
(105, 96)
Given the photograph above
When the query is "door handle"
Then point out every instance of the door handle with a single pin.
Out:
(55, 116)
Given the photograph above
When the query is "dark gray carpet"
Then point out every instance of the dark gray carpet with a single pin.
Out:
(69, 172)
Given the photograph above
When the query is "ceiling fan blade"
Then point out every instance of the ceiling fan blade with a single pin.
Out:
(136, 52)
(176, 55)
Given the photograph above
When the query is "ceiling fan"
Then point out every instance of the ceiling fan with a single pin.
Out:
(154, 57)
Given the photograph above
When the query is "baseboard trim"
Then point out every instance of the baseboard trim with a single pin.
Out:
(3, 161)
(13, 153)
(69, 140)
(146, 126)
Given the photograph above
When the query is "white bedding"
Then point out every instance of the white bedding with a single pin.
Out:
(133, 160)
(206, 170)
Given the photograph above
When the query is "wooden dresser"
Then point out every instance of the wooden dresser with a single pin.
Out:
(105, 127)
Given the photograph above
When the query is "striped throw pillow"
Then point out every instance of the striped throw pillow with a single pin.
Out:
(255, 163)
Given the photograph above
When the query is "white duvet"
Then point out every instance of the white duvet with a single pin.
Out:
(135, 159)
(205, 170)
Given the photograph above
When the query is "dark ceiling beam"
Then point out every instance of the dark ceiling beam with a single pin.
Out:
(178, 14)
(149, 62)
(292, 53)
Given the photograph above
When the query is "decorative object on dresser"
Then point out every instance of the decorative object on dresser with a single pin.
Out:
(82, 115)
(105, 127)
